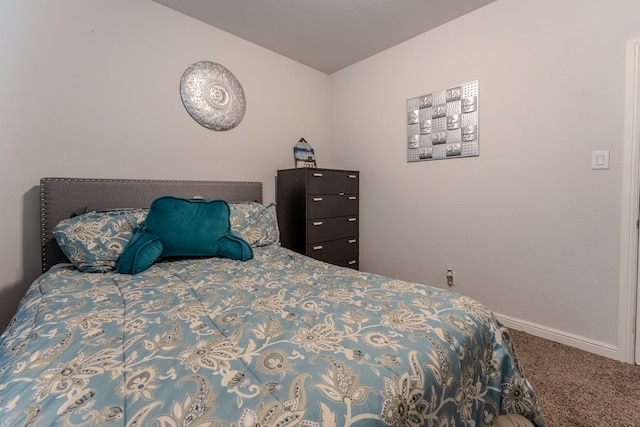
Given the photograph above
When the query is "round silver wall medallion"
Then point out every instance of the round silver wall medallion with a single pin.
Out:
(212, 96)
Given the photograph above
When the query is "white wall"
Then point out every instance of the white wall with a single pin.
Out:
(90, 88)
(527, 226)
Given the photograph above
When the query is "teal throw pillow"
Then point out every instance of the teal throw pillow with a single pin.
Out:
(185, 228)
(189, 227)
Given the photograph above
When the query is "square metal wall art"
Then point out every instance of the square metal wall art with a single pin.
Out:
(443, 124)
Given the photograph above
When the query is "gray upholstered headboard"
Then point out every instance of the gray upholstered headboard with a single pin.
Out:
(60, 198)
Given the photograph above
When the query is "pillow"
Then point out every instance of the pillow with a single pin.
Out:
(187, 228)
(140, 253)
(94, 241)
(255, 223)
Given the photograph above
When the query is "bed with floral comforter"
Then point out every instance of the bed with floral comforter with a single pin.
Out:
(279, 340)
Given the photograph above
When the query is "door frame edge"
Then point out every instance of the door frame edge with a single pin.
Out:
(628, 287)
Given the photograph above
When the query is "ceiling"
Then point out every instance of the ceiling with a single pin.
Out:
(327, 35)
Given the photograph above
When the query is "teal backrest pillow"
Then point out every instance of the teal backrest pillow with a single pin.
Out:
(188, 227)
(194, 227)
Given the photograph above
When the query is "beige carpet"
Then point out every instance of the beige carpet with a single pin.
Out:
(577, 388)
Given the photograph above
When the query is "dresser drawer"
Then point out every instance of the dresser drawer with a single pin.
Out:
(323, 229)
(321, 206)
(349, 262)
(332, 182)
(334, 250)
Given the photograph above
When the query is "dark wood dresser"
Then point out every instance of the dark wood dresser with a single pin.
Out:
(318, 213)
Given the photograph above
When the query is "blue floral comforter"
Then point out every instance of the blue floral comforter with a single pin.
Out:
(280, 340)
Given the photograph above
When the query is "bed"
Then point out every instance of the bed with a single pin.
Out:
(277, 340)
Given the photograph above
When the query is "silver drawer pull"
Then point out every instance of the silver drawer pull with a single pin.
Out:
(317, 248)
(318, 174)
(317, 199)
(351, 220)
(352, 197)
(351, 241)
(353, 261)
(353, 176)
(317, 223)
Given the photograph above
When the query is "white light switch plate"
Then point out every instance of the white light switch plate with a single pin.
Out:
(600, 159)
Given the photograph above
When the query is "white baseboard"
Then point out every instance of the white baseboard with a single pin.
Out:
(593, 346)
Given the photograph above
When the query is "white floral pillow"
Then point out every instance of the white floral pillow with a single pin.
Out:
(255, 223)
(94, 241)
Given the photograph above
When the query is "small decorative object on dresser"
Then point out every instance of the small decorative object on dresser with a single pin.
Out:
(317, 213)
(304, 155)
